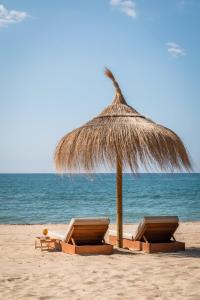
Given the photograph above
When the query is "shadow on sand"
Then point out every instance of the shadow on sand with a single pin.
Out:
(189, 252)
(125, 252)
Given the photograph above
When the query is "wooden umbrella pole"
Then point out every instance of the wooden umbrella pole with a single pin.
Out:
(119, 203)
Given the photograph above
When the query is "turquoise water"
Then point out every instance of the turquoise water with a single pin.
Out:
(50, 198)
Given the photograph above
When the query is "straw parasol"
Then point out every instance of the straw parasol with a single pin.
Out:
(123, 138)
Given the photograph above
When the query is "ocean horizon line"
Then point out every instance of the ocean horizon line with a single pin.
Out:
(87, 173)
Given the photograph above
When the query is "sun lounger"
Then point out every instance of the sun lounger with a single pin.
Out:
(153, 234)
(84, 236)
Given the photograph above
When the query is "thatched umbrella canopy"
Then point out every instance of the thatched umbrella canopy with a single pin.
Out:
(123, 138)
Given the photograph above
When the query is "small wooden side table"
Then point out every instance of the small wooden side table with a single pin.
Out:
(45, 243)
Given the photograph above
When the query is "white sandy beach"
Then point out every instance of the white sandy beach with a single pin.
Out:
(27, 273)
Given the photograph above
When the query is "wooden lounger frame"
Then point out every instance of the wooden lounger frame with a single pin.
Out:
(127, 244)
(156, 235)
(87, 239)
(147, 247)
(105, 249)
(172, 246)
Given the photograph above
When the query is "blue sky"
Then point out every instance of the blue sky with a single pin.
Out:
(51, 70)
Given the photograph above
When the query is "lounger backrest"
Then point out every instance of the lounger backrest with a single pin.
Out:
(87, 230)
(157, 229)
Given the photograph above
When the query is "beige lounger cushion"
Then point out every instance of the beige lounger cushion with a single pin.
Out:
(64, 236)
(58, 235)
(126, 235)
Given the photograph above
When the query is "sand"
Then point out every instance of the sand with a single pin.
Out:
(28, 273)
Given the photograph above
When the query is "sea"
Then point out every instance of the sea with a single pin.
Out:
(52, 198)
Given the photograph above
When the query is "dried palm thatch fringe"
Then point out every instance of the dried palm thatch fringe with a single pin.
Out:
(120, 133)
